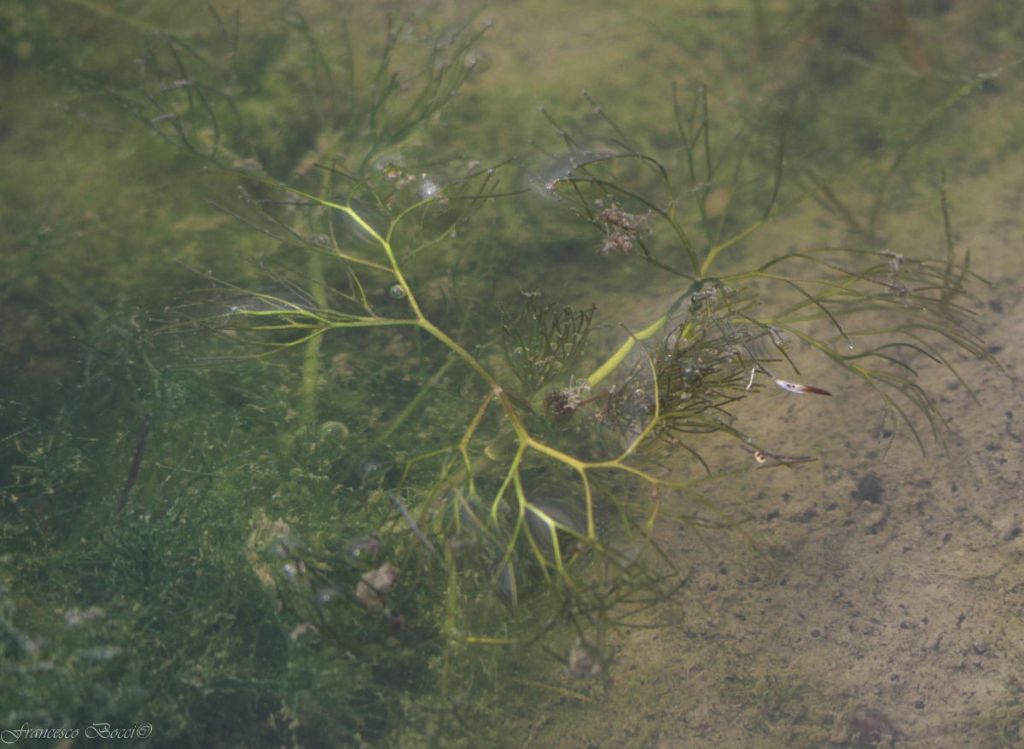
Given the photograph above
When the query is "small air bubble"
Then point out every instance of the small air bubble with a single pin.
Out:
(325, 595)
(362, 548)
(429, 189)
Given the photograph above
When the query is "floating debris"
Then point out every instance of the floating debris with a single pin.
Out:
(622, 230)
(795, 387)
(763, 456)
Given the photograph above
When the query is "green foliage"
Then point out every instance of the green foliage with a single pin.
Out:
(504, 492)
(393, 478)
(542, 341)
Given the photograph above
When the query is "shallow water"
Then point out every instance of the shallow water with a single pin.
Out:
(172, 528)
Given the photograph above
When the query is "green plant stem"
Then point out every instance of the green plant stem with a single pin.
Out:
(717, 249)
(415, 402)
(616, 359)
(311, 355)
(459, 351)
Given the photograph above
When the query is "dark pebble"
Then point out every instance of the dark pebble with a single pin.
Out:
(870, 727)
(869, 489)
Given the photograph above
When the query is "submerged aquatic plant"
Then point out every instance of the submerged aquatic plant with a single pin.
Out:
(526, 488)
(473, 473)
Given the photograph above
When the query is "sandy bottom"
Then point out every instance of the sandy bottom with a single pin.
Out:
(877, 599)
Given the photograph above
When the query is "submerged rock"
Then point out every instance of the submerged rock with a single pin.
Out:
(374, 586)
(864, 728)
(869, 489)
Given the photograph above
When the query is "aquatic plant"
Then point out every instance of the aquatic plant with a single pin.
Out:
(540, 475)
(466, 471)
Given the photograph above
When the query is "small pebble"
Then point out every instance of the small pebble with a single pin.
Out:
(869, 489)
(869, 727)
